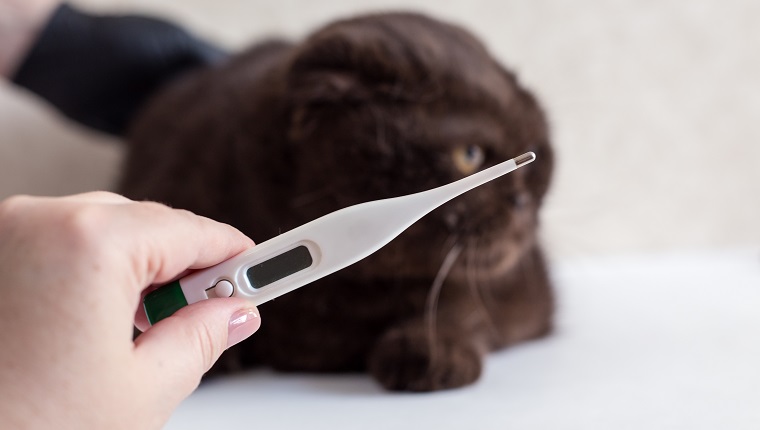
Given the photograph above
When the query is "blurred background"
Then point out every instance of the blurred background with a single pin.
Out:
(653, 217)
(654, 107)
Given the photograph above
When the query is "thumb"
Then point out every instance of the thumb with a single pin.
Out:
(178, 350)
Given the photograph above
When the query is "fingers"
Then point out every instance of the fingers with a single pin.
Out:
(98, 197)
(139, 243)
(159, 242)
(163, 242)
(176, 239)
(89, 197)
(178, 350)
(156, 241)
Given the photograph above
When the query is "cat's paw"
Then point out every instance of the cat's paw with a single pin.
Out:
(404, 361)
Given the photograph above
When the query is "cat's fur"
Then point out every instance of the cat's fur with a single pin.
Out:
(364, 109)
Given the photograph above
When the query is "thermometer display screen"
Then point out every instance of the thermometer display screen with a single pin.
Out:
(279, 266)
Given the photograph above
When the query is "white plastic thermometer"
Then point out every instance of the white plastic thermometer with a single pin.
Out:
(313, 250)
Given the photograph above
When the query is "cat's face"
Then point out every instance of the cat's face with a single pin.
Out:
(389, 105)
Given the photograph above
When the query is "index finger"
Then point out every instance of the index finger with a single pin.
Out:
(162, 242)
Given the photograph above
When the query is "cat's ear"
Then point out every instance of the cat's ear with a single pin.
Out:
(383, 56)
(329, 76)
(350, 67)
(332, 67)
(532, 127)
(324, 86)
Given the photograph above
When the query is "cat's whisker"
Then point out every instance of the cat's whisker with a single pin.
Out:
(431, 304)
(475, 291)
(450, 242)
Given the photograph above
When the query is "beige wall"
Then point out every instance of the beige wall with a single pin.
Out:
(655, 107)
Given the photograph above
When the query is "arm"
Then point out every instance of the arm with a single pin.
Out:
(99, 70)
(20, 22)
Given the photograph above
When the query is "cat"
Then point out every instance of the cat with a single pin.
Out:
(366, 108)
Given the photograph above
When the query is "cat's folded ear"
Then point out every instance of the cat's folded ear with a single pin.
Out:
(367, 58)
(344, 63)
(353, 65)
(315, 82)
(336, 72)
(531, 124)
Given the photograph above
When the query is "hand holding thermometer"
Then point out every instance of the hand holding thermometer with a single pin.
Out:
(315, 249)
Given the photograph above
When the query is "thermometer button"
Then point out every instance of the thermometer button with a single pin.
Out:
(221, 289)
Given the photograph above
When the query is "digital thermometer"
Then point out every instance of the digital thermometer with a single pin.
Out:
(313, 250)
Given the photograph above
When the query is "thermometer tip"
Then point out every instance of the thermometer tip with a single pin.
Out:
(525, 158)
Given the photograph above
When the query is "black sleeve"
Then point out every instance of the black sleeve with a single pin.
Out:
(99, 70)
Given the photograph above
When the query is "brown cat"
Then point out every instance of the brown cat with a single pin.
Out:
(367, 108)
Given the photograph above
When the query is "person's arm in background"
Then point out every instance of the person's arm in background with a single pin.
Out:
(20, 22)
(99, 69)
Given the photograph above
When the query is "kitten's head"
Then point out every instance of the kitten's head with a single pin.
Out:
(391, 104)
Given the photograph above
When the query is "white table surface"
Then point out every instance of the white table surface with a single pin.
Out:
(644, 342)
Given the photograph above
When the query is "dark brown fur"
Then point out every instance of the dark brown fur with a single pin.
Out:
(364, 109)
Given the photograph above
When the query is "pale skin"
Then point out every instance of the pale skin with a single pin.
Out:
(73, 270)
(20, 22)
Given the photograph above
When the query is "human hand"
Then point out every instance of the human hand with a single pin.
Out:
(72, 271)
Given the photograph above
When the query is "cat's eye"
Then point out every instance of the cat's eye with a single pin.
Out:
(468, 158)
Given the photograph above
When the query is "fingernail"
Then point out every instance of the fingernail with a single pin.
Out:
(243, 323)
